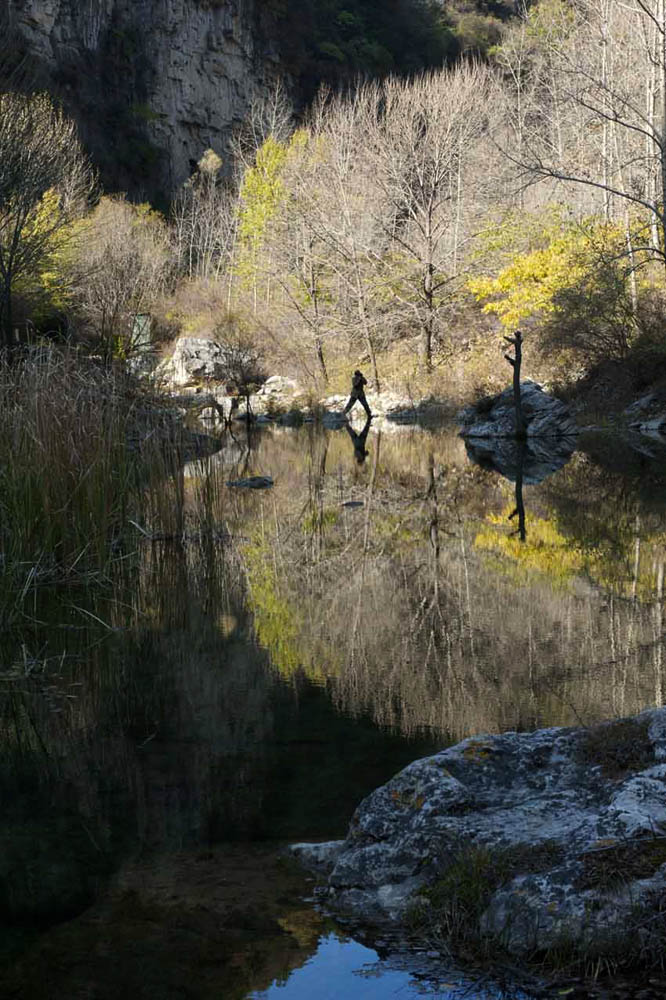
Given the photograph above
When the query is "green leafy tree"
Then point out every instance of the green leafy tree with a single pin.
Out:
(45, 182)
(333, 41)
(261, 192)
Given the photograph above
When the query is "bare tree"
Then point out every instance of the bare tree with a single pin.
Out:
(598, 117)
(120, 266)
(319, 239)
(243, 358)
(270, 114)
(380, 201)
(40, 154)
(203, 221)
(424, 146)
(297, 257)
(344, 212)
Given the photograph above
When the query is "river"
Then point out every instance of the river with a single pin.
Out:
(245, 684)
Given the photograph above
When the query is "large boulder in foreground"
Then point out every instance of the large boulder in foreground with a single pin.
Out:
(495, 416)
(547, 842)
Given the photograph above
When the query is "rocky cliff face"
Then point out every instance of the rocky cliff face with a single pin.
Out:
(152, 83)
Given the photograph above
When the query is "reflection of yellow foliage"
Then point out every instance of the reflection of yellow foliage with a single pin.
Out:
(279, 618)
(305, 925)
(276, 623)
(613, 565)
(397, 528)
(545, 550)
(609, 562)
(317, 520)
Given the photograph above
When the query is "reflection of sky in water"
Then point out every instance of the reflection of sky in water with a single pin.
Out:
(346, 970)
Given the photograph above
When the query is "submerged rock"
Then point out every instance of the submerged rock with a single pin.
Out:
(252, 482)
(559, 836)
(495, 416)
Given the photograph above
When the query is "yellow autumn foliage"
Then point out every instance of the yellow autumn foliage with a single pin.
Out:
(529, 283)
(47, 287)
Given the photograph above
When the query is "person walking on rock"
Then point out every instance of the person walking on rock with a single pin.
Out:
(357, 393)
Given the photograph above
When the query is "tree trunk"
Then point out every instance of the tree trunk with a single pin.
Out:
(426, 345)
(521, 431)
(314, 298)
(426, 336)
(515, 362)
(320, 358)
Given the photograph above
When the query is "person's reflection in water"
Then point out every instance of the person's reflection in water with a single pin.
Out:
(521, 531)
(358, 440)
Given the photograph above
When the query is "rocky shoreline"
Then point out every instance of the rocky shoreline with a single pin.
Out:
(195, 379)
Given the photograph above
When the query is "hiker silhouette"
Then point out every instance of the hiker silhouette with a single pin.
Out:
(357, 394)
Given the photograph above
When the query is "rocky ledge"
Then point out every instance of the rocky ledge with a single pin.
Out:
(494, 416)
(547, 843)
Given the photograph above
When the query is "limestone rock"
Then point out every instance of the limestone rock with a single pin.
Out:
(492, 417)
(318, 857)
(571, 822)
(647, 415)
(194, 359)
(280, 385)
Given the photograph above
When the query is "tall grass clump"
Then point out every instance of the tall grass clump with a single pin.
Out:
(73, 472)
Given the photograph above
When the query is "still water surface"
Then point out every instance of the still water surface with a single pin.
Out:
(247, 685)
(345, 968)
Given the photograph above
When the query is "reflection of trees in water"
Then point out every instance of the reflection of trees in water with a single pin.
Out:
(519, 510)
(402, 611)
(149, 733)
(165, 728)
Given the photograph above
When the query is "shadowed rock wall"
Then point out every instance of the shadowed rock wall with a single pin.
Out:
(152, 83)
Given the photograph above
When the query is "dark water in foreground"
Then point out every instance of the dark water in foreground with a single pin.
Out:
(248, 685)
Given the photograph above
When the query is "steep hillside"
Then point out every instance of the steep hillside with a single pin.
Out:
(154, 83)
